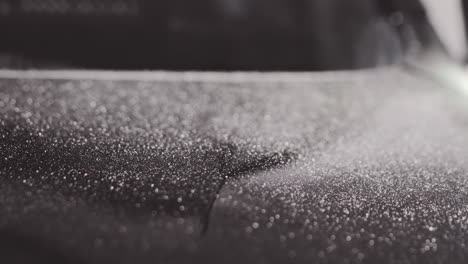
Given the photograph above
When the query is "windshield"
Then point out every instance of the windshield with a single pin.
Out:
(223, 34)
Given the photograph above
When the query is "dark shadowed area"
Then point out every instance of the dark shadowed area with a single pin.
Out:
(210, 34)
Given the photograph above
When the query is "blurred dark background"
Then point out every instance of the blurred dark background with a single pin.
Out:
(211, 34)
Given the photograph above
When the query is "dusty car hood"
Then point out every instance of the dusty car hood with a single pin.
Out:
(345, 167)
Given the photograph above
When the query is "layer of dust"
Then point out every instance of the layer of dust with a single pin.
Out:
(346, 168)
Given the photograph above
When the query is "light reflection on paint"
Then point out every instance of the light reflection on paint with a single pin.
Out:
(452, 74)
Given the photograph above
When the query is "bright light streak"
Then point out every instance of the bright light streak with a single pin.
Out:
(446, 17)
